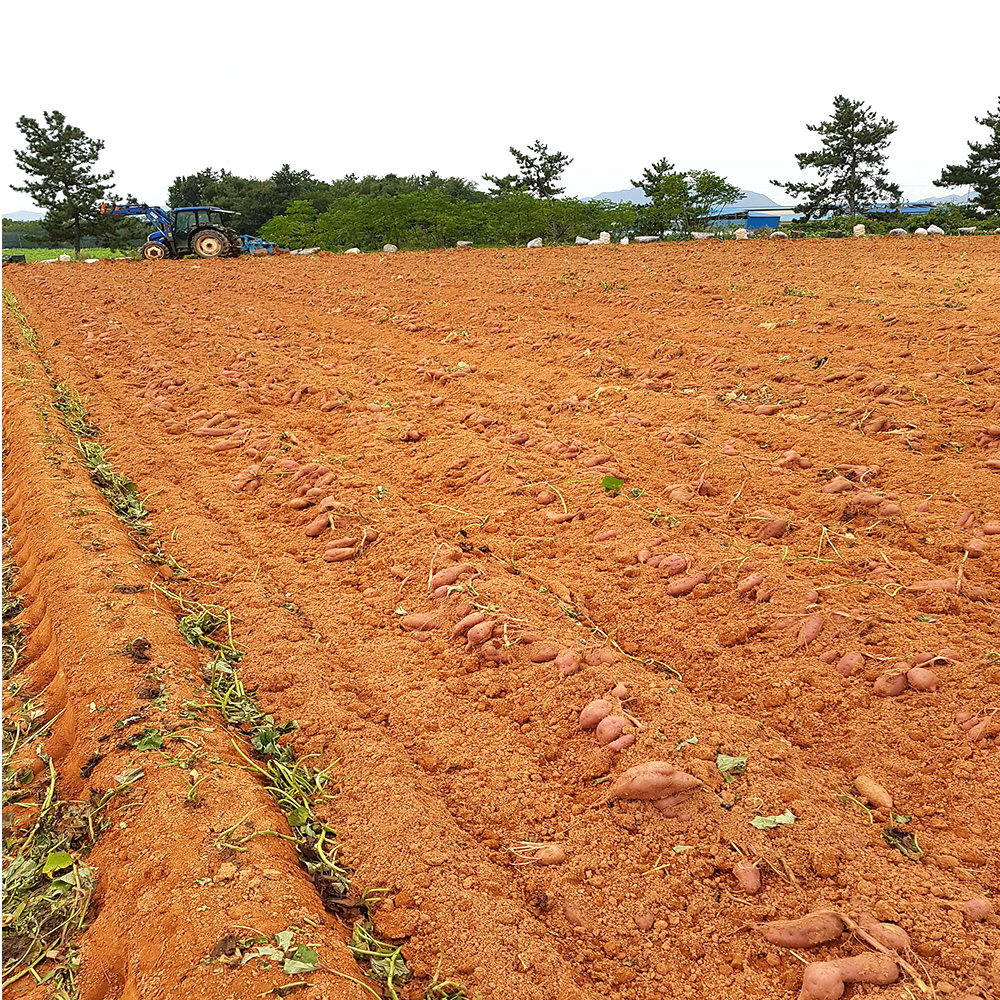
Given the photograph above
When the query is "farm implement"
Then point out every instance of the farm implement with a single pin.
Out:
(199, 230)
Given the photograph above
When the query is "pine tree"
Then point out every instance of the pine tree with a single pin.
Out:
(62, 159)
(540, 170)
(851, 164)
(981, 171)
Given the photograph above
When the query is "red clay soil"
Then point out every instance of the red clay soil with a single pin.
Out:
(354, 453)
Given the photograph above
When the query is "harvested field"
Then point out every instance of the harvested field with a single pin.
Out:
(431, 507)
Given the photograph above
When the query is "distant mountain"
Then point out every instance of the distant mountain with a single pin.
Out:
(750, 199)
(951, 199)
(23, 216)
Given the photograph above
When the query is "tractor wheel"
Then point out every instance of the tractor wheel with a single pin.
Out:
(235, 243)
(154, 251)
(210, 243)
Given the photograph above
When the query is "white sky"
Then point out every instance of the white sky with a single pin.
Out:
(449, 85)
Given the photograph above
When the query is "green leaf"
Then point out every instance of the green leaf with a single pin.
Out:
(151, 740)
(902, 819)
(681, 848)
(284, 939)
(56, 860)
(303, 960)
(299, 816)
(391, 966)
(612, 485)
(732, 765)
(770, 822)
(130, 777)
(263, 952)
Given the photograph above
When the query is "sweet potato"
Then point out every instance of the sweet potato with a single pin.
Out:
(748, 875)
(671, 805)
(838, 485)
(821, 981)
(866, 500)
(625, 740)
(891, 935)
(608, 535)
(338, 554)
(685, 584)
(850, 662)
(318, 526)
(479, 634)
(347, 542)
(550, 854)
(543, 654)
(568, 662)
(447, 576)
(610, 728)
(463, 626)
(811, 628)
(656, 779)
(872, 792)
(922, 679)
(978, 909)
(600, 655)
(805, 932)
(825, 980)
(944, 586)
(976, 728)
(494, 653)
(422, 621)
(872, 967)
(964, 520)
(592, 716)
(774, 528)
(750, 583)
(559, 516)
(890, 684)
(671, 565)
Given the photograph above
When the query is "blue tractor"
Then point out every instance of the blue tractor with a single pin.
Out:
(198, 229)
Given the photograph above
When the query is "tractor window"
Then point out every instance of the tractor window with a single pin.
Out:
(210, 219)
(185, 222)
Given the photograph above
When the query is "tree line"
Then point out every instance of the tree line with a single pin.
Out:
(295, 208)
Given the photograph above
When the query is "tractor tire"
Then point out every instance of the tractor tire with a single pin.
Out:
(210, 243)
(235, 243)
(154, 251)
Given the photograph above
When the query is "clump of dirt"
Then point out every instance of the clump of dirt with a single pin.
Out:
(741, 497)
